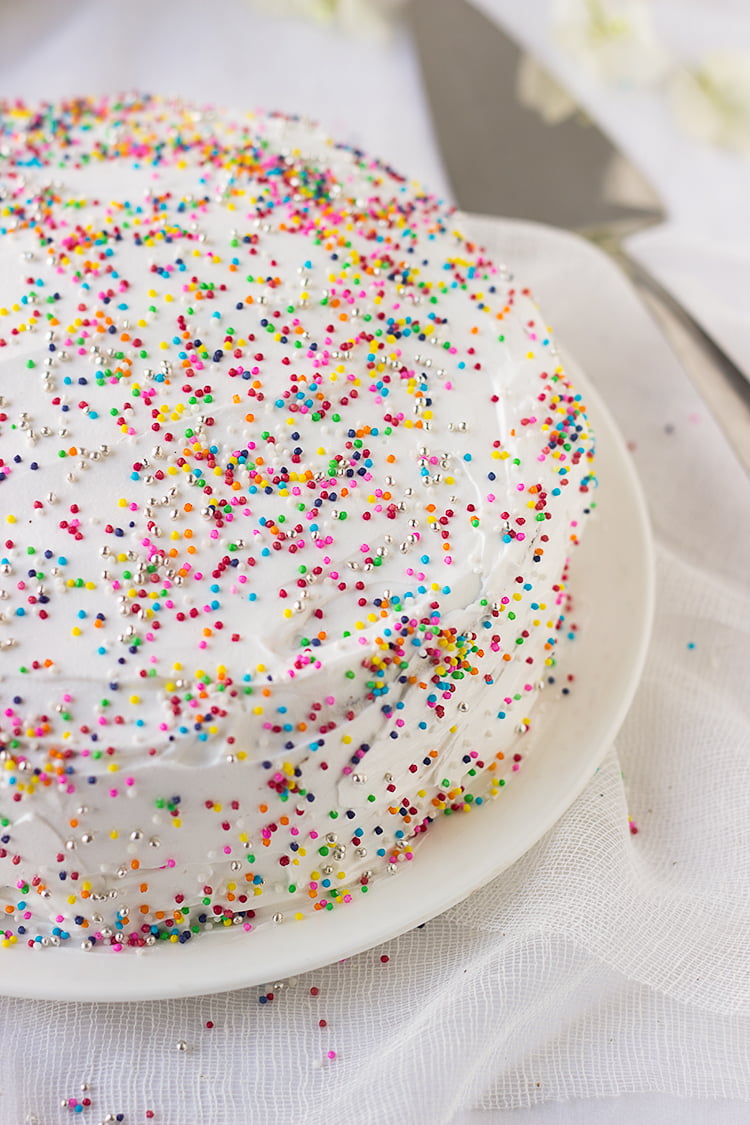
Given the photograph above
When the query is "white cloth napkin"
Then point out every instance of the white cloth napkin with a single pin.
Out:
(702, 255)
(602, 964)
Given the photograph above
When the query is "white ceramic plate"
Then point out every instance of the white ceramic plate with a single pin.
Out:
(612, 585)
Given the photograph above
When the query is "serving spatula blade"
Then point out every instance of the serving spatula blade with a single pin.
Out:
(529, 169)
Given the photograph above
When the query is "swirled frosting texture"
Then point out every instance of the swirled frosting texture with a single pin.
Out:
(290, 478)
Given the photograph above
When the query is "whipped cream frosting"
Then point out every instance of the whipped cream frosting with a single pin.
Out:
(290, 476)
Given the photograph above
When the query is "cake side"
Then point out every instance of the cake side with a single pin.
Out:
(291, 476)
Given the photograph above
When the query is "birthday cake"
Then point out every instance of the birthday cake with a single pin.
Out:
(290, 477)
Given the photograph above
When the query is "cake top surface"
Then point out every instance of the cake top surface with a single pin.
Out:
(269, 420)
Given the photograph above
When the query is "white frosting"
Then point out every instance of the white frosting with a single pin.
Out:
(291, 478)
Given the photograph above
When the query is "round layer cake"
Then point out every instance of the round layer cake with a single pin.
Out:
(290, 476)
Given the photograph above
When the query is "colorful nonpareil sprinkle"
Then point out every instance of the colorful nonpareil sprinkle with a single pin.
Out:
(290, 476)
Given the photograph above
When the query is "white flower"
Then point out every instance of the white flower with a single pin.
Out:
(613, 39)
(712, 99)
(363, 17)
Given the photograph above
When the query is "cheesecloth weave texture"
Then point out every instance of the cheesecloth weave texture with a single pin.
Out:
(603, 962)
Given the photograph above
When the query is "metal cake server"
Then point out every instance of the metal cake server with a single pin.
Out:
(503, 159)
